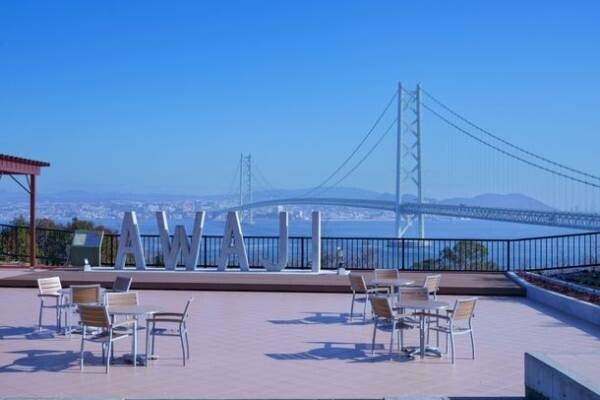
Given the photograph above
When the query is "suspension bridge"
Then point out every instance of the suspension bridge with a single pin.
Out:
(409, 204)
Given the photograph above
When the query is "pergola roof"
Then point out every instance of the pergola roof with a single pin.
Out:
(17, 165)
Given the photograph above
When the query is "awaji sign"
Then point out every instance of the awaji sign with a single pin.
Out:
(178, 246)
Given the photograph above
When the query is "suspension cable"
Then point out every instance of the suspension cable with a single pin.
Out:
(363, 159)
(506, 153)
(498, 138)
(353, 153)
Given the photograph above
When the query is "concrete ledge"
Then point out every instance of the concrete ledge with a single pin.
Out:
(583, 310)
(547, 379)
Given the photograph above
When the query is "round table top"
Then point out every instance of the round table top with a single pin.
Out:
(392, 282)
(68, 290)
(140, 309)
(423, 304)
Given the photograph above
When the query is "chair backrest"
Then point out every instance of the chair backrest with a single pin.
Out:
(463, 309)
(382, 308)
(122, 284)
(49, 285)
(432, 283)
(85, 294)
(357, 283)
(386, 273)
(413, 294)
(186, 310)
(122, 299)
(94, 316)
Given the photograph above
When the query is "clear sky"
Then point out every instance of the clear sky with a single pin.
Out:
(163, 96)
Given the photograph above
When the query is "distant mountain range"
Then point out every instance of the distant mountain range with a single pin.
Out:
(512, 200)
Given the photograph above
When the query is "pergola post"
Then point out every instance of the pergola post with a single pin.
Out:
(16, 166)
(32, 242)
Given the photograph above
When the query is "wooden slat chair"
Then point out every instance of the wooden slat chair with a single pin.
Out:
(181, 330)
(383, 311)
(432, 283)
(81, 295)
(382, 273)
(359, 287)
(457, 322)
(48, 291)
(97, 317)
(121, 299)
(122, 284)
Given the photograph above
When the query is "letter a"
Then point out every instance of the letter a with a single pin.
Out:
(130, 243)
(233, 243)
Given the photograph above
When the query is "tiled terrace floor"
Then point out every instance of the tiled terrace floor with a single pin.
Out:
(281, 345)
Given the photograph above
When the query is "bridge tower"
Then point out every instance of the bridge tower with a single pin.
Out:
(246, 186)
(408, 158)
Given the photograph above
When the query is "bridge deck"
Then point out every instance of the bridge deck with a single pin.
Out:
(454, 283)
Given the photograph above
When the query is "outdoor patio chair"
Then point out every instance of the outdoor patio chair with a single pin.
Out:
(359, 287)
(121, 299)
(432, 283)
(49, 292)
(457, 322)
(97, 317)
(381, 273)
(122, 284)
(81, 295)
(181, 330)
(383, 311)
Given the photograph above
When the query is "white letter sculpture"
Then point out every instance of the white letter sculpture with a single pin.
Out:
(282, 250)
(233, 243)
(180, 244)
(316, 241)
(130, 243)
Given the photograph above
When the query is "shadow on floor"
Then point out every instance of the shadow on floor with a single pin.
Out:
(326, 318)
(26, 332)
(46, 360)
(344, 351)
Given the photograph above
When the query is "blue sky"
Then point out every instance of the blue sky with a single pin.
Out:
(163, 96)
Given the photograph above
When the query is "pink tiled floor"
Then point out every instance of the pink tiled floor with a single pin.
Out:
(267, 345)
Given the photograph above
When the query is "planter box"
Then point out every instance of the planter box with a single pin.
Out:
(586, 311)
(546, 378)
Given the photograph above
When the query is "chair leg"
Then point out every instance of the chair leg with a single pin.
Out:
(452, 345)
(392, 339)
(446, 352)
(472, 343)
(374, 333)
(153, 337)
(182, 345)
(40, 315)
(365, 308)
(399, 339)
(103, 353)
(108, 355)
(187, 342)
(352, 306)
(81, 352)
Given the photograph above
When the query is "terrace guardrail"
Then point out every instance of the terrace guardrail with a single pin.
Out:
(357, 253)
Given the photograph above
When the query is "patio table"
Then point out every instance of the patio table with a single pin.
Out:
(136, 311)
(393, 284)
(424, 305)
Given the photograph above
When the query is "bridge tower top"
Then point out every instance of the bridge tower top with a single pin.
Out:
(408, 157)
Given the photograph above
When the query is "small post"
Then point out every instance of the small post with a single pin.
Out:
(316, 241)
(32, 244)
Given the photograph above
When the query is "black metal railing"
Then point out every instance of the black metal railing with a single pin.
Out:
(536, 253)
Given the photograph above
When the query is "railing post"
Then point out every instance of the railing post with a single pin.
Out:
(205, 247)
(508, 255)
(403, 265)
(302, 252)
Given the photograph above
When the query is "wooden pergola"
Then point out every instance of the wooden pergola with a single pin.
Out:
(12, 167)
